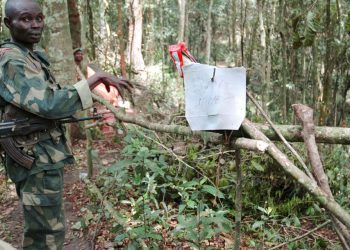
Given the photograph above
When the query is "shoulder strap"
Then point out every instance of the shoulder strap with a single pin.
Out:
(42, 57)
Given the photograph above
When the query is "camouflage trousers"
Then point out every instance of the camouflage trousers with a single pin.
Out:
(41, 196)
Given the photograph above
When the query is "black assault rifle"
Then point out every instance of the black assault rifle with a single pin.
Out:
(27, 126)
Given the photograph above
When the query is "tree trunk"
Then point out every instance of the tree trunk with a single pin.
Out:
(315, 77)
(135, 35)
(150, 33)
(269, 43)
(260, 5)
(131, 28)
(326, 101)
(121, 39)
(74, 23)
(57, 41)
(284, 59)
(182, 19)
(209, 30)
(102, 19)
(104, 32)
(91, 36)
(242, 30)
(234, 45)
(252, 42)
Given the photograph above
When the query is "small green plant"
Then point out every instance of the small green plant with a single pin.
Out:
(154, 192)
(191, 197)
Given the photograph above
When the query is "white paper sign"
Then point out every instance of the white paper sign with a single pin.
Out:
(215, 97)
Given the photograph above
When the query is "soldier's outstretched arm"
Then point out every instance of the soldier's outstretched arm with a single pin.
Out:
(108, 80)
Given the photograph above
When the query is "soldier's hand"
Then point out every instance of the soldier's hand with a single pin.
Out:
(108, 80)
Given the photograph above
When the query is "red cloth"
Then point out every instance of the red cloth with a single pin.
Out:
(177, 51)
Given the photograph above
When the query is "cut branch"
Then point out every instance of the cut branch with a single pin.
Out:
(330, 135)
(305, 115)
(250, 144)
(292, 133)
(310, 185)
(286, 143)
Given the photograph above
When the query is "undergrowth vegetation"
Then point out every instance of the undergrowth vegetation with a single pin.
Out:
(168, 191)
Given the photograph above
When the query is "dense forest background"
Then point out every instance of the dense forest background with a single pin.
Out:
(294, 52)
(295, 48)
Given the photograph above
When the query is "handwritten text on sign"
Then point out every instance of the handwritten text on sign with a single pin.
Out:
(215, 97)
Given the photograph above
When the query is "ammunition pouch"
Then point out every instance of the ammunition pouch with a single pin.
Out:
(19, 146)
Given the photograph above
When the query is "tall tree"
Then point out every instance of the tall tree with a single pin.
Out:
(90, 35)
(182, 19)
(262, 45)
(282, 29)
(104, 32)
(121, 39)
(135, 56)
(233, 24)
(243, 19)
(57, 41)
(328, 68)
(74, 23)
(209, 30)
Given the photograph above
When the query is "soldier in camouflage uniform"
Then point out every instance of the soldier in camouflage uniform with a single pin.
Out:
(26, 85)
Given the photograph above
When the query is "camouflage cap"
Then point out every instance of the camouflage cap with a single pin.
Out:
(78, 50)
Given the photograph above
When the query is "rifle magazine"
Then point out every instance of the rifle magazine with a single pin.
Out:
(9, 146)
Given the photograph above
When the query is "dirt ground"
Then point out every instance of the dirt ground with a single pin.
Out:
(11, 216)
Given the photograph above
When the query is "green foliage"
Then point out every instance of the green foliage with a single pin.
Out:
(205, 225)
(157, 192)
(154, 194)
(305, 30)
(338, 171)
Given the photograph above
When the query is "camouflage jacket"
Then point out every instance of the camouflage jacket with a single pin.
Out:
(26, 82)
